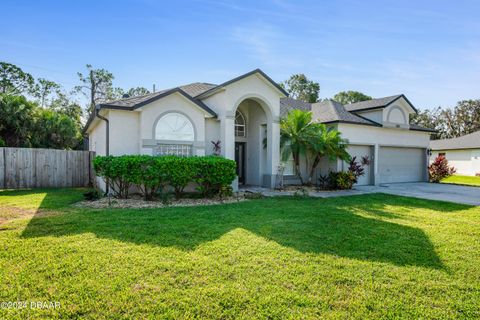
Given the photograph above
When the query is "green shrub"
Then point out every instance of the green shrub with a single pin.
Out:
(149, 175)
(180, 172)
(341, 180)
(117, 171)
(213, 173)
(153, 174)
(92, 195)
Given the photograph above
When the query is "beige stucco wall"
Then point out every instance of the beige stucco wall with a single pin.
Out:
(124, 132)
(152, 112)
(225, 103)
(96, 139)
(378, 137)
(466, 162)
(397, 114)
(371, 135)
(212, 133)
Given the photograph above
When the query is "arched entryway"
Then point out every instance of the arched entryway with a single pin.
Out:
(251, 139)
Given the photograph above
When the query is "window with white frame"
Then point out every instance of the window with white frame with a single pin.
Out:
(240, 126)
(178, 129)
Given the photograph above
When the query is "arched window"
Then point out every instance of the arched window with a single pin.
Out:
(174, 126)
(178, 129)
(240, 127)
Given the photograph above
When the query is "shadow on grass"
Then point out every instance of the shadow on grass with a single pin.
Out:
(327, 226)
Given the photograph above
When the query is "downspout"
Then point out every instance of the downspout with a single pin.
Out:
(107, 142)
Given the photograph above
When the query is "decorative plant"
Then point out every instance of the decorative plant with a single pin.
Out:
(300, 135)
(358, 169)
(341, 180)
(439, 169)
(217, 147)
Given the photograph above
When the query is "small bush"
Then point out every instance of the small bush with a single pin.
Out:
(439, 169)
(152, 175)
(356, 169)
(117, 172)
(213, 173)
(93, 195)
(342, 180)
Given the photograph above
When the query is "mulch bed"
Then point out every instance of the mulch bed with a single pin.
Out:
(137, 202)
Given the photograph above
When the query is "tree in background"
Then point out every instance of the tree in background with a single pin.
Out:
(137, 91)
(463, 119)
(347, 97)
(13, 80)
(132, 92)
(96, 86)
(301, 88)
(16, 120)
(54, 130)
(64, 105)
(43, 88)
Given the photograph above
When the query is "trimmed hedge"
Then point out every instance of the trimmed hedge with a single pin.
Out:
(151, 174)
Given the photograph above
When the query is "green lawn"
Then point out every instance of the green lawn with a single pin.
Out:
(467, 180)
(370, 256)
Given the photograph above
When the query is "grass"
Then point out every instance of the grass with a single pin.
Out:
(466, 180)
(369, 256)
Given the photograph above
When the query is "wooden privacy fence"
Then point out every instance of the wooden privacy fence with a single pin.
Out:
(34, 168)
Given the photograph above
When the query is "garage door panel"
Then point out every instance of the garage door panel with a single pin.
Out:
(401, 164)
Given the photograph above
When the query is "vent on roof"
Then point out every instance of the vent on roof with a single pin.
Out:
(125, 95)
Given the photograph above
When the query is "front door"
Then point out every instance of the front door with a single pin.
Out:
(240, 160)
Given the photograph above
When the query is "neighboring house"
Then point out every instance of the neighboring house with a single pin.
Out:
(463, 153)
(244, 114)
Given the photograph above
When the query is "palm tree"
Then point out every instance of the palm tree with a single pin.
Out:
(326, 142)
(299, 135)
(296, 130)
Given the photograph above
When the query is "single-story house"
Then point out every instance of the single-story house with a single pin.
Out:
(243, 113)
(463, 153)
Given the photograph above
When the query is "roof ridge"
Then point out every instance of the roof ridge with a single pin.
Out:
(373, 99)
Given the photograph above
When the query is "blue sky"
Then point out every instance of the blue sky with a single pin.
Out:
(429, 50)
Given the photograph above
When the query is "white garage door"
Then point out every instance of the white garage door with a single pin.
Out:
(359, 152)
(401, 164)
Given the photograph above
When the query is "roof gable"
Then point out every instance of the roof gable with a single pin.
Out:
(259, 72)
(378, 103)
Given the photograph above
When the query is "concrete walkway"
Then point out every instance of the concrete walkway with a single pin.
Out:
(431, 191)
(422, 190)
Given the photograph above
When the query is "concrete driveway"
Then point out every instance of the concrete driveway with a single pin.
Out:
(431, 191)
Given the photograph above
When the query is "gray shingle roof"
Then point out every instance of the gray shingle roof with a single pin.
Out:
(372, 104)
(331, 111)
(287, 104)
(469, 141)
(416, 127)
(192, 89)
